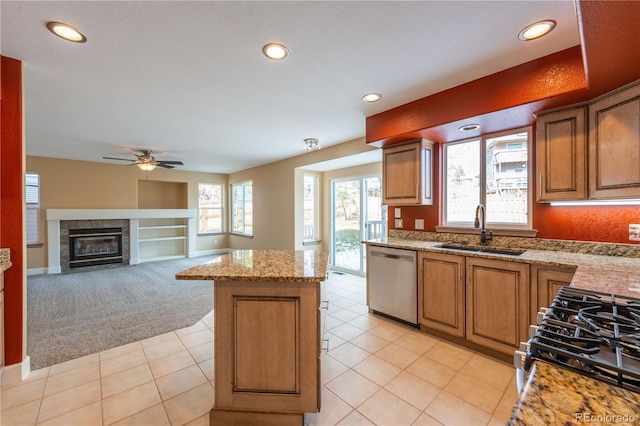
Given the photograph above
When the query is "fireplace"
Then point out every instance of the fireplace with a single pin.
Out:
(95, 246)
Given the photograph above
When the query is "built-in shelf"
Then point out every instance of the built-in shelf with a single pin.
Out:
(155, 234)
(144, 240)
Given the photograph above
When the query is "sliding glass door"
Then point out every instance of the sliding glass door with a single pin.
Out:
(357, 215)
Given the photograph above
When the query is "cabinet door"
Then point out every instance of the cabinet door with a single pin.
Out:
(561, 140)
(547, 281)
(266, 346)
(441, 292)
(498, 295)
(406, 173)
(614, 145)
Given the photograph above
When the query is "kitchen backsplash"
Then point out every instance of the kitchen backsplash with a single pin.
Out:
(584, 247)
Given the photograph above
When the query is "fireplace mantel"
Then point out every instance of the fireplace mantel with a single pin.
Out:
(54, 216)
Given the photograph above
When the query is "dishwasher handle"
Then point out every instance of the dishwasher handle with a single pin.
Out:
(392, 256)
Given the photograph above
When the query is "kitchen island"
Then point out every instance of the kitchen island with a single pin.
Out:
(267, 340)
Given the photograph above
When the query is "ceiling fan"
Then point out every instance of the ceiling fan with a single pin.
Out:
(148, 162)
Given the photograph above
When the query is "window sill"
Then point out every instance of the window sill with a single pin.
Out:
(210, 234)
(506, 232)
(238, 234)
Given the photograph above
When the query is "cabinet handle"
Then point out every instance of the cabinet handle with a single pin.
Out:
(324, 305)
(417, 194)
(325, 345)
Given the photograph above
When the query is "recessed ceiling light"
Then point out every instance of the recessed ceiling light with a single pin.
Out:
(537, 30)
(469, 127)
(66, 32)
(275, 51)
(372, 97)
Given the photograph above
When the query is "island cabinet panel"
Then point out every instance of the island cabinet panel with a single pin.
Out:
(561, 147)
(266, 346)
(546, 283)
(271, 365)
(441, 292)
(614, 144)
(498, 303)
(406, 173)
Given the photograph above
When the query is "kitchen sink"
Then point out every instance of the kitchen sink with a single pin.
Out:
(482, 249)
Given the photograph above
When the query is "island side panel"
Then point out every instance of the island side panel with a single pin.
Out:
(267, 346)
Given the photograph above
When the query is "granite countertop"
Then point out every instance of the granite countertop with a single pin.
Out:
(262, 265)
(610, 274)
(5, 259)
(582, 400)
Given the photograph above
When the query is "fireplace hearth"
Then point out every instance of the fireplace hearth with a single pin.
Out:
(95, 246)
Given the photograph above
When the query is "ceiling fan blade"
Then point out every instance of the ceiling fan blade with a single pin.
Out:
(171, 162)
(166, 166)
(119, 159)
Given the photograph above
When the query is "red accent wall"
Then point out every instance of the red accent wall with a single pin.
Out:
(12, 206)
(608, 58)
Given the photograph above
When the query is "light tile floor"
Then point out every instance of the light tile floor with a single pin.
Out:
(376, 372)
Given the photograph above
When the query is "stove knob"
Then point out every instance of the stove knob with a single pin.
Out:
(541, 314)
(533, 329)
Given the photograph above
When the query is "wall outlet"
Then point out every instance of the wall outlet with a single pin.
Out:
(398, 213)
(419, 223)
(215, 242)
(398, 223)
(634, 232)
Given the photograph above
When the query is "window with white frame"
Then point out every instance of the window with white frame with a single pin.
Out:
(492, 170)
(311, 214)
(32, 198)
(242, 207)
(210, 208)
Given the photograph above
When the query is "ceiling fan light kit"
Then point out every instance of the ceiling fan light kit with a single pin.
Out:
(148, 162)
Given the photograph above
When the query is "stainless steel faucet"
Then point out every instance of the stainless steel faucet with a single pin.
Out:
(484, 236)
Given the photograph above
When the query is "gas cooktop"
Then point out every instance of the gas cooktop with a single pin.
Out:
(592, 333)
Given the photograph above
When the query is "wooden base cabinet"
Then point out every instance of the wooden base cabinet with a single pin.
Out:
(498, 303)
(441, 290)
(267, 348)
(546, 283)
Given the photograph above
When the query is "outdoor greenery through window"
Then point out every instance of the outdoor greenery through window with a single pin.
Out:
(311, 208)
(242, 207)
(32, 198)
(492, 170)
(210, 208)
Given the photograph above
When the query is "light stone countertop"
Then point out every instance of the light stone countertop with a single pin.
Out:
(5, 259)
(262, 265)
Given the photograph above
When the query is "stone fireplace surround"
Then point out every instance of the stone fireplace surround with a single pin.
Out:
(65, 255)
(58, 221)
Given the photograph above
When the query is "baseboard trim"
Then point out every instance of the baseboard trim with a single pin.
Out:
(210, 252)
(38, 271)
(15, 373)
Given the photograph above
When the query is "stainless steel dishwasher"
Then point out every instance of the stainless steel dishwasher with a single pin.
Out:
(393, 284)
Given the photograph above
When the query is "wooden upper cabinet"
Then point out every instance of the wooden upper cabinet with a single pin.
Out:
(406, 173)
(614, 144)
(561, 141)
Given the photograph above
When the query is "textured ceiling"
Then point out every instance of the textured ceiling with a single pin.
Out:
(188, 79)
